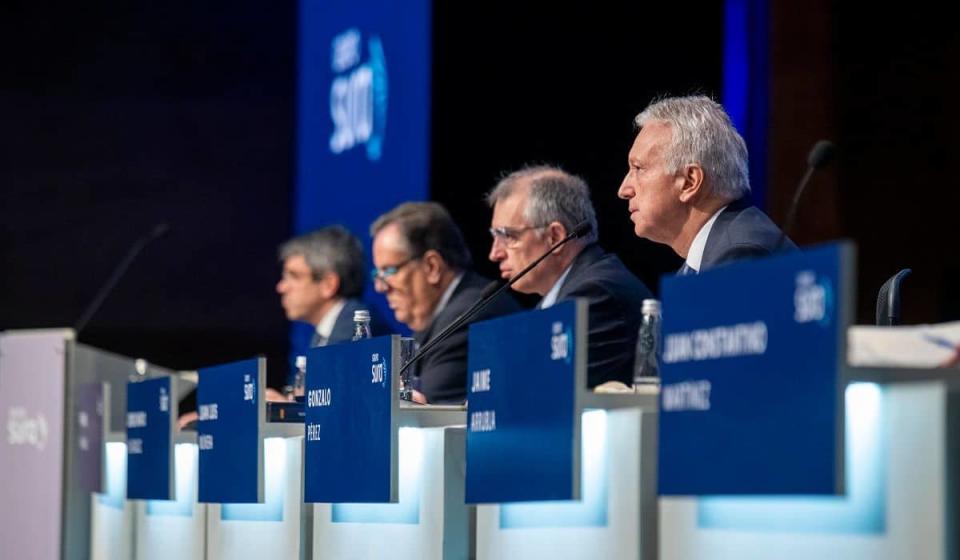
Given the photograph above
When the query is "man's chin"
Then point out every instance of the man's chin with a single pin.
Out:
(523, 287)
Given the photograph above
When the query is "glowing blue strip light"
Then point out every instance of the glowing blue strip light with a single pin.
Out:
(186, 461)
(407, 509)
(116, 483)
(274, 487)
(862, 510)
(591, 511)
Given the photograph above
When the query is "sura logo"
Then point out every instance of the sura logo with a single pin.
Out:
(358, 95)
(164, 400)
(560, 343)
(23, 430)
(811, 298)
(378, 369)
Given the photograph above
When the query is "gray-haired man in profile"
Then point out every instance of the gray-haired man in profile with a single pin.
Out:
(533, 209)
(688, 186)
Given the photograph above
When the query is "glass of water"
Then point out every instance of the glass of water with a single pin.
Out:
(408, 349)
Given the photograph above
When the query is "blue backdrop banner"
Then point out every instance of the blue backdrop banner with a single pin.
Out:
(363, 116)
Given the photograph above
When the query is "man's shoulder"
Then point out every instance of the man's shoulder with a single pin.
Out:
(602, 272)
(741, 232)
(469, 291)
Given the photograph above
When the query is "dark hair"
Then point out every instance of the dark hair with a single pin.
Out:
(427, 226)
(330, 249)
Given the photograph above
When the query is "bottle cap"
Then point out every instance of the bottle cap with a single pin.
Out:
(650, 306)
(361, 315)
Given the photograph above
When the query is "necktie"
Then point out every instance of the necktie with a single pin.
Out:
(686, 270)
(318, 340)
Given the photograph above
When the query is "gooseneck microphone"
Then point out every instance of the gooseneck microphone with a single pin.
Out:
(157, 232)
(490, 292)
(820, 156)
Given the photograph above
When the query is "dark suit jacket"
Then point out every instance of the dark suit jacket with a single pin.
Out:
(741, 232)
(443, 372)
(343, 326)
(616, 298)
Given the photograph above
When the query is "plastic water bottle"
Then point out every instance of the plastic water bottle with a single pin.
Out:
(300, 377)
(361, 324)
(646, 368)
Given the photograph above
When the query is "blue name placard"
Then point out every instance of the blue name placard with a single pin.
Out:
(751, 395)
(150, 414)
(525, 374)
(230, 406)
(350, 427)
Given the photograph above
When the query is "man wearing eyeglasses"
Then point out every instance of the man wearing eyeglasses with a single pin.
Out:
(423, 267)
(533, 209)
(321, 284)
(322, 280)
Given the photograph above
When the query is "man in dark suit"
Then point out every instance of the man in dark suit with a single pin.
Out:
(688, 185)
(322, 280)
(423, 268)
(533, 209)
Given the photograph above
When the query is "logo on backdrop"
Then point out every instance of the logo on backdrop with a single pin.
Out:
(811, 299)
(24, 430)
(358, 94)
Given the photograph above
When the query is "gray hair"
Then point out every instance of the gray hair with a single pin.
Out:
(427, 226)
(554, 196)
(330, 249)
(703, 134)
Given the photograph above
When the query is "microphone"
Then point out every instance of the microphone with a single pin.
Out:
(820, 156)
(490, 292)
(157, 232)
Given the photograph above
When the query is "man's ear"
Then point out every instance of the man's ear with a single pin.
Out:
(691, 179)
(555, 232)
(435, 266)
(329, 284)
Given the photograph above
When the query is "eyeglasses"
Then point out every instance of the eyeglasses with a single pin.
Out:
(510, 236)
(382, 274)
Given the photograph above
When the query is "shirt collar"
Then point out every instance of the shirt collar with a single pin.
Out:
(551, 296)
(325, 326)
(695, 255)
(447, 294)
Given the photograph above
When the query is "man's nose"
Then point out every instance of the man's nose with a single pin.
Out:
(626, 190)
(497, 253)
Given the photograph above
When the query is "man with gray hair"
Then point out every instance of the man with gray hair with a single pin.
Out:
(423, 267)
(322, 281)
(533, 209)
(688, 185)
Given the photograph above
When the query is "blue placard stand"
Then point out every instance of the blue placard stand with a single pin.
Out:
(526, 374)
(352, 404)
(151, 411)
(351, 422)
(752, 387)
(230, 406)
